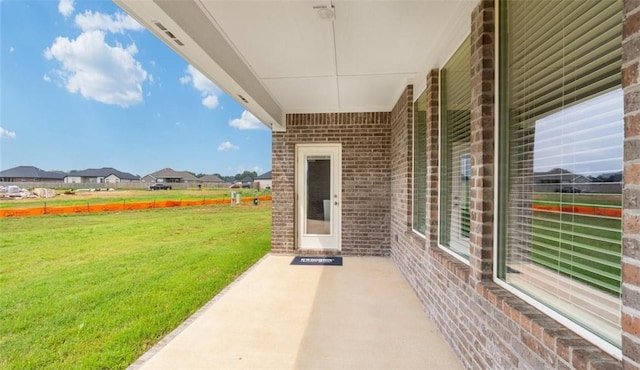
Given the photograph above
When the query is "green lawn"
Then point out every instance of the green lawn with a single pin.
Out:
(128, 196)
(583, 247)
(586, 199)
(98, 290)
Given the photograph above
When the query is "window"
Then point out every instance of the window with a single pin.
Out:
(561, 141)
(455, 169)
(420, 164)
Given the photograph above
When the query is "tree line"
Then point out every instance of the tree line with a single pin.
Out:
(234, 178)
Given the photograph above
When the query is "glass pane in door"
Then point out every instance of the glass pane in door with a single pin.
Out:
(318, 189)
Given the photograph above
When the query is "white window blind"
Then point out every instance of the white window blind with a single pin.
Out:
(561, 243)
(455, 169)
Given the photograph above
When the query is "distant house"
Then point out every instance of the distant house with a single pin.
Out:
(559, 176)
(30, 174)
(561, 180)
(167, 175)
(264, 180)
(106, 175)
(247, 182)
(211, 179)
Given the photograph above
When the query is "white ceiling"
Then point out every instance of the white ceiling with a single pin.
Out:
(283, 58)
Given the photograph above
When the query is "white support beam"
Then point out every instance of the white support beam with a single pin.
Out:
(206, 48)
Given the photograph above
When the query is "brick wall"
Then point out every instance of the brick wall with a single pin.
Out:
(366, 174)
(482, 139)
(631, 190)
(486, 326)
(401, 162)
(433, 137)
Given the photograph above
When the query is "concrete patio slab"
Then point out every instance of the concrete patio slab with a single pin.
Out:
(361, 315)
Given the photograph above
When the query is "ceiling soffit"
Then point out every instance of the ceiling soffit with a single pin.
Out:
(281, 57)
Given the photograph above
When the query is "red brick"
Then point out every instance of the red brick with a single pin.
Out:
(366, 143)
(630, 74)
(632, 174)
(631, 25)
(630, 274)
(630, 324)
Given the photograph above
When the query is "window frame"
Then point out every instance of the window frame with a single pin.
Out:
(413, 166)
(501, 151)
(445, 248)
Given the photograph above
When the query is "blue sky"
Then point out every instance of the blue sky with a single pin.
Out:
(586, 138)
(82, 85)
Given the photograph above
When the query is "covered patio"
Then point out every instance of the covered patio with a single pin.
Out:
(278, 316)
(395, 135)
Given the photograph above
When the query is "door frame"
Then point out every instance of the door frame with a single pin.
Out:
(333, 242)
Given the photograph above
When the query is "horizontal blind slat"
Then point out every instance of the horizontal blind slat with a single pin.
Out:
(565, 139)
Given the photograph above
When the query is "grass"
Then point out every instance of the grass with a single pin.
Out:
(583, 247)
(586, 199)
(98, 290)
(128, 196)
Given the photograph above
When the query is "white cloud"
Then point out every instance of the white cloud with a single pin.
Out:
(46, 78)
(247, 121)
(227, 145)
(65, 7)
(12, 49)
(114, 23)
(98, 71)
(210, 101)
(201, 83)
(6, 133)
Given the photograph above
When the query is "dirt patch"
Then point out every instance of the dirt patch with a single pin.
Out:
(80, 195)
(118, 207)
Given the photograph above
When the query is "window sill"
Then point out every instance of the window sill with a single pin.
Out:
(459, 268)
(548, 335)
(539, 332)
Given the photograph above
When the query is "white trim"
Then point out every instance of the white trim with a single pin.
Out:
(413, 165)
(462, 27)
(231, 73)
(422, 86)
(563, 320)
(440, 86)
(453, 253)
(585, 333)
(418, 234)
(335, 237)
(496, 134)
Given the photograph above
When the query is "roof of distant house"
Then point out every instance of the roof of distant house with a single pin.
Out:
(211, 178)
(168, 173)
(264, 176)
(104, 172)
(32, 172)
(247, 179)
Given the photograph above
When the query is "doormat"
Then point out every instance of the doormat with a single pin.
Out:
(317, 261)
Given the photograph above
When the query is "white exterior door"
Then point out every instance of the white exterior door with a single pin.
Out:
(318, 195)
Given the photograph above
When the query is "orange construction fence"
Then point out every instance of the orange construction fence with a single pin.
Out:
(583, 210)
(124, 206)
(115, 207)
